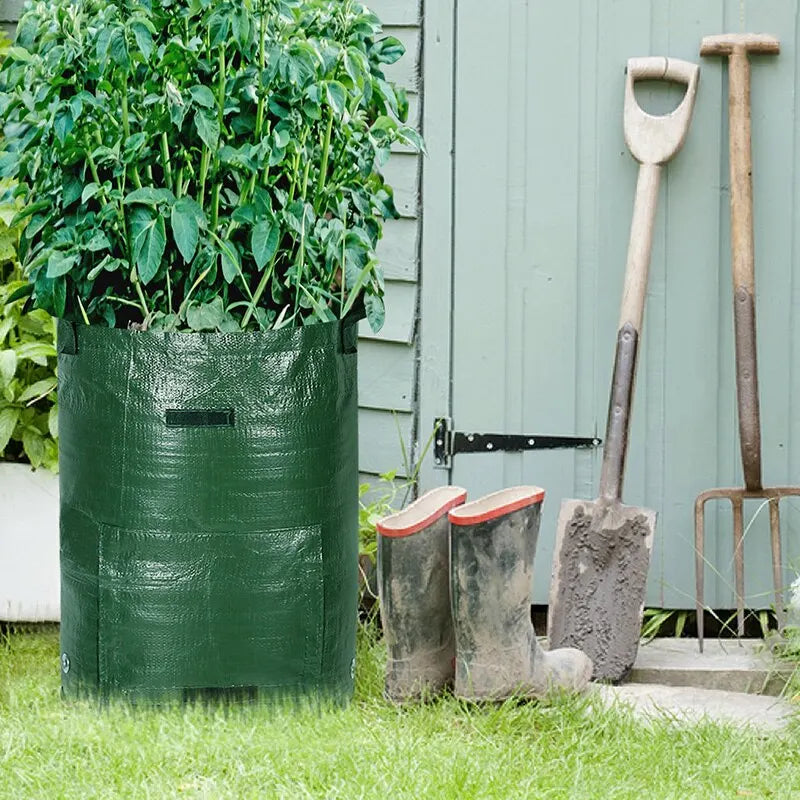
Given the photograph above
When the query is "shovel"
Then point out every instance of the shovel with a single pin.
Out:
(603, 547)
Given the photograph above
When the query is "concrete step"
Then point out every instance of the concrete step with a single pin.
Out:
(733, 665)
(686, 704)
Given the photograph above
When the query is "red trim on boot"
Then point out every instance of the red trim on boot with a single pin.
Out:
(423, 512)
(496, 505)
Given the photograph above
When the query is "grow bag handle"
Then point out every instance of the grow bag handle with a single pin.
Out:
(66, 338)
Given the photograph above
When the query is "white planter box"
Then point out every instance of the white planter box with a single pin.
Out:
(29, 545)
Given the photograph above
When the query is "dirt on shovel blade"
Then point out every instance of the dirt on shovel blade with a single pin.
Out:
(597, 594)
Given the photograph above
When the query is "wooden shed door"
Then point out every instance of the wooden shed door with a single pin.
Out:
(543, 192)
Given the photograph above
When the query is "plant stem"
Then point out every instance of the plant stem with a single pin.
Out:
(205, 160)
(323, 169)
(262, 285)
(169, 291)
(83, 310)
(185, 304)
(124, 302)
(126, 127)
(214, 206)
(92, 167)
(138, 284)
(165, 161)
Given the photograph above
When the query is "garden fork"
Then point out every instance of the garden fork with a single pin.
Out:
(737, 47)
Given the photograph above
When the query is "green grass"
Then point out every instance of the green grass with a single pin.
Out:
(571, 748)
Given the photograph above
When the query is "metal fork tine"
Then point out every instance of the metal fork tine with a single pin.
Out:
(738, 560)
(775, 533)
(699, 566)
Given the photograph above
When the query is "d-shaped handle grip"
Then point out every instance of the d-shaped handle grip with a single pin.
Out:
(651, 139)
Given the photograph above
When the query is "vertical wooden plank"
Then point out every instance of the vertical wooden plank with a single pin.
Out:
(434, 375)
(693, 211)
(791, 510)
(479, 332)
(543, 272)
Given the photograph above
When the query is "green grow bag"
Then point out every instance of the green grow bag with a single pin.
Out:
(209, 512)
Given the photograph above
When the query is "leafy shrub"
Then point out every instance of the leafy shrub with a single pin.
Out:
(28, 408)
(202, 165)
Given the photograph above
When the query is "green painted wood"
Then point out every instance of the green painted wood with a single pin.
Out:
(381, 438)
(398, 249)
(543, 198)
(398, 12)
(385, 376)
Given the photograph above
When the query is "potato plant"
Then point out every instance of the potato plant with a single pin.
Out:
(202, 165)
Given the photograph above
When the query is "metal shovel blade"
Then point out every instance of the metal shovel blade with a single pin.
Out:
(599, 578)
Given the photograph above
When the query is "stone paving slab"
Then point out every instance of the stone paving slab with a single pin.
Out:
(691, 705)
(733, 665)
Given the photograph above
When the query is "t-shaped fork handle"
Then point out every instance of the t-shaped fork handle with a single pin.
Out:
(737, 46)
(725, 44)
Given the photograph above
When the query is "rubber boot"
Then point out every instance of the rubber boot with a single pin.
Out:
(492, 546)
(413, 586)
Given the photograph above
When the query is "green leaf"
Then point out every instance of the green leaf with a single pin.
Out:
(8, 422)
(144, 39)
(230, 261)
(33, 445)
(149, 242)
(63, 124)
(37, 390)
(208, 128)
(60, 264)
(336, 95)
(71, 190)
(8, 367)
(264, 242)
(388, 50)
(98, 242)
(38, 352)
(18, 294)
(150, 196)
(206, 317)
(119, 47)
(376, 311)
(185, 228)
(203, 96)
(89, 191)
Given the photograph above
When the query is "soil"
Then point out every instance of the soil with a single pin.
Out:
(600, 585)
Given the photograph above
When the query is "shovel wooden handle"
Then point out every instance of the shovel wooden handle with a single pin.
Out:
(653, 141)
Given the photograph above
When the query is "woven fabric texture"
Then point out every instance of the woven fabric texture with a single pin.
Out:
(209, 512)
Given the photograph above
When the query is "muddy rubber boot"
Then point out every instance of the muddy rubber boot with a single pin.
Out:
(492, 546)
(414, 591)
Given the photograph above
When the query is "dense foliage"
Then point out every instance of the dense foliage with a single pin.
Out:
(202, 165)
(28, 409)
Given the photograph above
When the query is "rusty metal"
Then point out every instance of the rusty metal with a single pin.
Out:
(773, 495)
(736, 48)
(619, 413)
(744, 320)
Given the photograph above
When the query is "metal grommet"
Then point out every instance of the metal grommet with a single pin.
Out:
(64, 663)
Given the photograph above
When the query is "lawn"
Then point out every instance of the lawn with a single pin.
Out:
(570, 748)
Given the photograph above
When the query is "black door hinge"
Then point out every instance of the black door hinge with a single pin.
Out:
(448, 443)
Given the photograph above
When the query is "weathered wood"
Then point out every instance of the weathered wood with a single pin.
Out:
(436, 246)
(397, 12)
(541, 236)
(405, 72)
(402, 174)
(401, 302)
(385, 375)
(380, 434)
(11, 10)
(398, 249)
